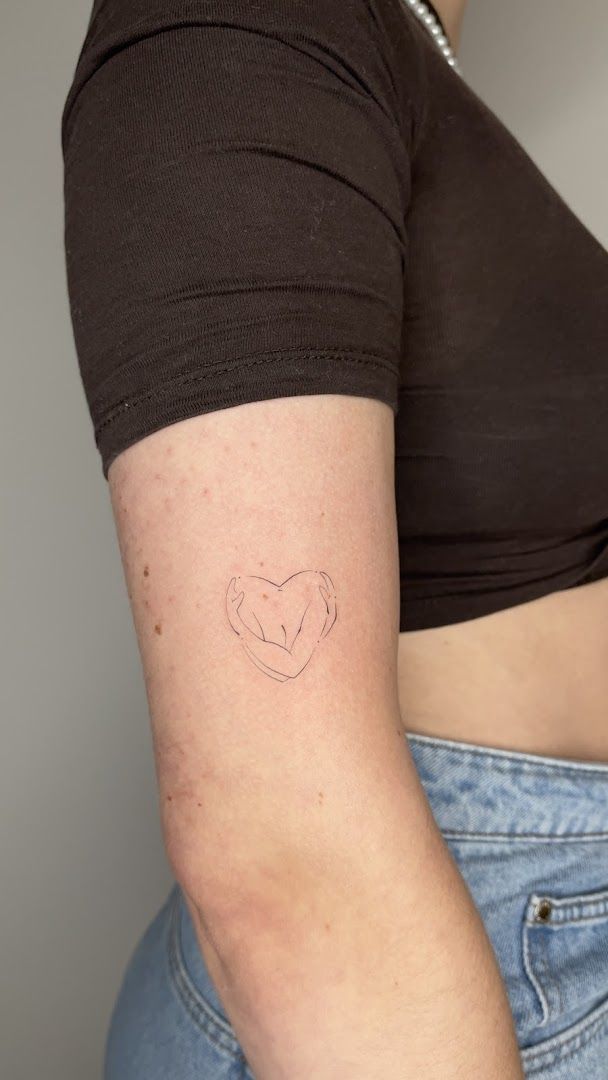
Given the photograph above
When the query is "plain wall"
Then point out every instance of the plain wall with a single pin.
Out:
(83, 868)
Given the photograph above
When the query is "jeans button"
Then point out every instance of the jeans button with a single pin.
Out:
(542, 911)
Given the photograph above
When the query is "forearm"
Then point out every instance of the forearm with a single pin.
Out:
(361, 955)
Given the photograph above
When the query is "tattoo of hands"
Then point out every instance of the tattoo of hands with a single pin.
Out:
(280, 626)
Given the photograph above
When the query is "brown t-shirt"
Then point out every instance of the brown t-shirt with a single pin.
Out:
(272, 199)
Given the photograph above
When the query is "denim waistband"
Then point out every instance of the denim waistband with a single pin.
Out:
(492, 794)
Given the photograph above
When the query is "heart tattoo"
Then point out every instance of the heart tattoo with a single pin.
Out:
(280, 626)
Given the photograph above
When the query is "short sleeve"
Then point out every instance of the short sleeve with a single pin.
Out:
(236, 182)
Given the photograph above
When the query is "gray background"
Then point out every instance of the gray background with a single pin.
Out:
(82, 862)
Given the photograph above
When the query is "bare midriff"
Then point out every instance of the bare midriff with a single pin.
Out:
(532, 677)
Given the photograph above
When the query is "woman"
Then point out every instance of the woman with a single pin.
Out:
(337, 334)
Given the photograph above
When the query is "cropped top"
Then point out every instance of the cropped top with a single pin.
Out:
(270, 199)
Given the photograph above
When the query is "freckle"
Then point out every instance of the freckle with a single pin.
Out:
(322, 513)
(170, 599)
(197, 604)
(199, 804)
(265, 595)
(328, 926)
(205, 491)
(146, 602)
(157, 476)
(396, 982)
(158, 628)
(146, 571)
(252, 443)
(261, 564)
(169, 798)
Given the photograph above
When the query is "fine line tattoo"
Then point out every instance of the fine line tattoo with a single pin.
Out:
(280, 626)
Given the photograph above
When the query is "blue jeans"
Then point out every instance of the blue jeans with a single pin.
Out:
(530, 837)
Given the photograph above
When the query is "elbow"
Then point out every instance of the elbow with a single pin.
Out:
(248, 903)
(258, 933)
(203, 869)
(233, 888)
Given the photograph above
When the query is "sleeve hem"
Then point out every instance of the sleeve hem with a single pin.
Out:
(290, 373)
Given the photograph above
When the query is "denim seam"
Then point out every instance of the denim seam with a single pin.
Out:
(577, 909)
(544, 838)
(568, 911)
(568, 1042)
(550, 982)
(198, 1009)
(599, 897)
(569, 924)
(514, 758)
(532, 977)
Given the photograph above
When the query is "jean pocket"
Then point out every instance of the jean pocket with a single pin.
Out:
(565, 952)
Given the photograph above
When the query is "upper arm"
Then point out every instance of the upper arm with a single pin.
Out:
(273, 703)
(235, 193)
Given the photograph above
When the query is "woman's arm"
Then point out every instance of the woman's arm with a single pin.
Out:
(237, 186)
(337, 929)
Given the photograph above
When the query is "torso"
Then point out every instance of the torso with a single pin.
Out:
(501, 490)
(532, 677)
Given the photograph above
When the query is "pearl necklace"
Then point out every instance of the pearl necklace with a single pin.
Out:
(428, 19)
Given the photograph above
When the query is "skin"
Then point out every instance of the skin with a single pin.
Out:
(514, 679)
(451, 13)
(531, 678)
(333, 921)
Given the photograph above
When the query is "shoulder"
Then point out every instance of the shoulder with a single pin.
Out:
(370, 46)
